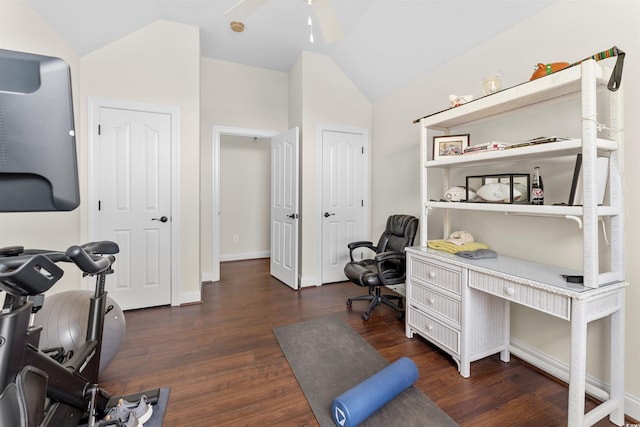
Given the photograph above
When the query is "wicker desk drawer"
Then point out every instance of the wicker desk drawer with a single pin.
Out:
(448, 277)
(538, 299)
(435, 301)
(434, 331)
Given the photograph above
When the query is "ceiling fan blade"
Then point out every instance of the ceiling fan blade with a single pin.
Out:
(327, 20)
(243, 9)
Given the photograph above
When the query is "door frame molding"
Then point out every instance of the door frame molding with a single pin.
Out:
(94, 106)
(319, 188)
(218, 132)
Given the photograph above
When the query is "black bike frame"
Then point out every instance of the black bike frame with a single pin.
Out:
(71, 388)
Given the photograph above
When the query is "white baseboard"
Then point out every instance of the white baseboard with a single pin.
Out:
(190, 298)
(206, 277)
(247, 255)
(307, 282)
(632, 406)
(401, 289)
(594, 386)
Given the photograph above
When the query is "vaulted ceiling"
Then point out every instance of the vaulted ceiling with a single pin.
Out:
(386, 43)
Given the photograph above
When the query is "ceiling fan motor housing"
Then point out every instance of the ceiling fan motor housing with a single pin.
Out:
(236, 26)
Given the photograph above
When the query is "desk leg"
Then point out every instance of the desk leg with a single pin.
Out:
(617, 365)
(505, 355)
(577, 369)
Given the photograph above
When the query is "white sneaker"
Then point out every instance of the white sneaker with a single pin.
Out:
(135, 414)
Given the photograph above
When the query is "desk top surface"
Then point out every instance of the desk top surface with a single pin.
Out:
(538, 275)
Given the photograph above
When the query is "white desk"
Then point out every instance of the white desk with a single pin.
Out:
(462, 306)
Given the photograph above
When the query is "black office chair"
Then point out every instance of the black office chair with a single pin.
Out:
(387, 267)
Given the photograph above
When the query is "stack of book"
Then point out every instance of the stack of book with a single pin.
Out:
(489, 146)
(538, 140)
(492, 146)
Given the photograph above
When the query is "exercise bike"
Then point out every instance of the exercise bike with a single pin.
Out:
(35, 388)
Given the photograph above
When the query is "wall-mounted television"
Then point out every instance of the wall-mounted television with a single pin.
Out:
(38, 166)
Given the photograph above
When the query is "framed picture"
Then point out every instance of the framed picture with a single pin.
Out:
(449, 145)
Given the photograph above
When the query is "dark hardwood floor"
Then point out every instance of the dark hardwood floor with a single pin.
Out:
(225, 367)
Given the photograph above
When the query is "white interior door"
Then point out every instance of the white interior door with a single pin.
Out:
(343, 211)
(284, 207)
(132, 172)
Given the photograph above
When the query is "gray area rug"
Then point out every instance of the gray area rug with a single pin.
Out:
(328, 358)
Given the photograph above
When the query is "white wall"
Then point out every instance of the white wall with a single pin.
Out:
(315, 92)
(326, 97)
(21, 29)
(234, 96)
(245, 195)
(566, 31)
(159, 64)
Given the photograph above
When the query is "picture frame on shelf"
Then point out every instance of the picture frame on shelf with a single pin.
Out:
(449, 145)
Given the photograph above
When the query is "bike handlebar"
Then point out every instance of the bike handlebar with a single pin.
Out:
(88, 263)
(22, 274)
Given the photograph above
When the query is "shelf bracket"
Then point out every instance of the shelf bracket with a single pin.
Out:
(577, 219)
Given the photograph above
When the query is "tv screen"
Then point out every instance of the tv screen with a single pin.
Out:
(38, 168)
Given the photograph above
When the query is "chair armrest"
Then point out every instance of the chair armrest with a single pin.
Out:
(360, 244)
(389, 255)
(383, 257)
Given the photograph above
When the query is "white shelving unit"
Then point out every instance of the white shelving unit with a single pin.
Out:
(582, 80)
(463, 306)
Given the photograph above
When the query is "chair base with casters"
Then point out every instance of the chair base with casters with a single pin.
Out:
(375, 298)
(386, 268)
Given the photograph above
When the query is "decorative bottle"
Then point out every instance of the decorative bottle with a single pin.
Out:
(537, 188)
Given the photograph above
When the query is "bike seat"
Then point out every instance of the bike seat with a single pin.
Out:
(103, 247)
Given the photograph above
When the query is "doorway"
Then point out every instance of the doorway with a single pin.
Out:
(244, 197)
(235, 238)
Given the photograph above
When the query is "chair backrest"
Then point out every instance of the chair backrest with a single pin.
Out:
(398, 234)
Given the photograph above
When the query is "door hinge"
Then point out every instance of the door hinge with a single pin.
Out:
(362, 149)
(99, 130)
(362, 203)
(99, 204)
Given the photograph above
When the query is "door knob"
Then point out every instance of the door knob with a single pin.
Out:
(327, 214)
(292, 216)
(161, 219)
